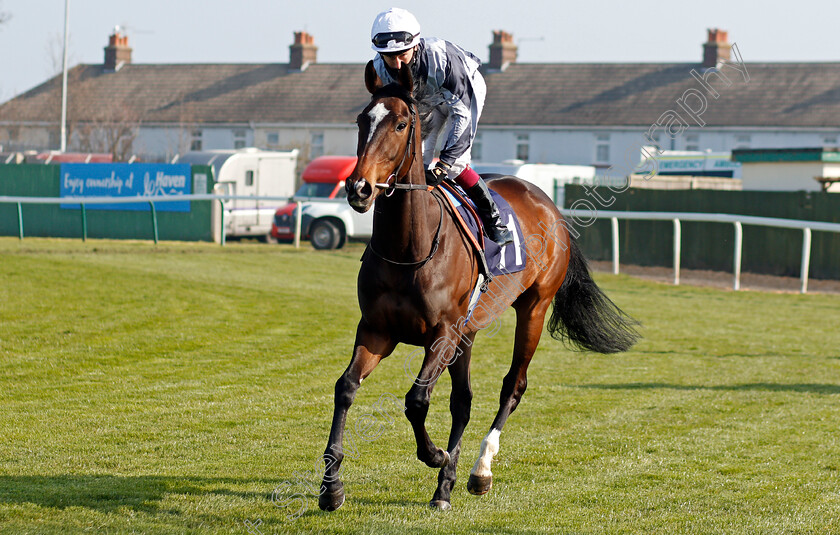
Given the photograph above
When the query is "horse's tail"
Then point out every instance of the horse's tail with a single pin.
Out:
(584, 317)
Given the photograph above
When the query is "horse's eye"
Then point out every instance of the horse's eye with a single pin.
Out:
(401, 127)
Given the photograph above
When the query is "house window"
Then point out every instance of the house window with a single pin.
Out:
(692, 142)
(743, 142)
(602, 148)
(273, 138)
(196, 142)
(316, 144)
(523, 147)
(830, 141)
(653, 139)
(239, 139)
(476, 148)
(249, 178)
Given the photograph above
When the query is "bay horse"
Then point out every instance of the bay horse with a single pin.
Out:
(415, 283)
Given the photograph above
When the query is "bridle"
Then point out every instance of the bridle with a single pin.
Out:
(394, 183)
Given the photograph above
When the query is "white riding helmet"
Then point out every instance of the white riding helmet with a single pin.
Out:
(394, 30)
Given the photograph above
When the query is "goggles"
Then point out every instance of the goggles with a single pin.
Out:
(381, 40)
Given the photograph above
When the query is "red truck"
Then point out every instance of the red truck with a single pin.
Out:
(323, 177)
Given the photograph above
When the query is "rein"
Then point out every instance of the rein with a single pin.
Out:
(391, 187)
(435, 242)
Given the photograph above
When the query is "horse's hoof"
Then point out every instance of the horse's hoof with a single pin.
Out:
(440, 504)
(331, 500)
(479, 485)
(438, 464)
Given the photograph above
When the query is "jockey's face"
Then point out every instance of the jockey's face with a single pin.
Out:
(397, 59)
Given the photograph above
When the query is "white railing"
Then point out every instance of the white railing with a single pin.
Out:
(151, 200)
(736, 220)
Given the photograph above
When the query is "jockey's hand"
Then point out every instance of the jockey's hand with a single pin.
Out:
(436, 174)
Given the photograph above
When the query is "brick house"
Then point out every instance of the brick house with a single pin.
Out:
(573, 113)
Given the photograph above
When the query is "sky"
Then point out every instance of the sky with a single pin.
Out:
(260, 31)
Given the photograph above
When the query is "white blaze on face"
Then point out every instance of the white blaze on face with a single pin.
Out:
(489, 448)
(376, 114)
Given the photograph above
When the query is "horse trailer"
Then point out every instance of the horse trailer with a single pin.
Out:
(249, 172)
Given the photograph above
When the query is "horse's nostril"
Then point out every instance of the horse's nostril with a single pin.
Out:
(363, 189)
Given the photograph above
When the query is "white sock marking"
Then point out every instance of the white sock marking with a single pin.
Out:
(489, 448)
(376, 114)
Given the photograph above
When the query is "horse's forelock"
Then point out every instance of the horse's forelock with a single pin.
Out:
(394, 90)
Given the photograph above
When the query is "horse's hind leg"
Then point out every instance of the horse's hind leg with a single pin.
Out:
(370, 348)
(530, 314)
(460, 402)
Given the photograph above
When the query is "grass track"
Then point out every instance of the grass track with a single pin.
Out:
(170, 389)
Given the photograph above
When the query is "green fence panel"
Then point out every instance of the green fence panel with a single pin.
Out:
(33, 180)
(773, 251)
(50, 220)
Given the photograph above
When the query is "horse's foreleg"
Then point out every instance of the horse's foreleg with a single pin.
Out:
(370, 348)
(460, 402)
(439, 354)
(529, 325)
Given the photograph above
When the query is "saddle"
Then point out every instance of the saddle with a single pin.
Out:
(493, 260)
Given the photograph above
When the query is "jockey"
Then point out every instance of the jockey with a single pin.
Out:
(450, 95)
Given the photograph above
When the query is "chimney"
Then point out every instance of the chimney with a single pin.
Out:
(502, 51)
(117, 53)
(302, 52)
(717, 49)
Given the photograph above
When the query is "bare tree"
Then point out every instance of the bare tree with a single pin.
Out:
(53, 103)
(186, 124)
(5, 16)
(55, 53)
(111, 129)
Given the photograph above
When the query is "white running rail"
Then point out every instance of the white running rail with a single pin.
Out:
(676, 217)
(736, 220)
(152, 200)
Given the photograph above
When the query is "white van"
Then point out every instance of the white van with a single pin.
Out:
(248, 172)
(549, 177)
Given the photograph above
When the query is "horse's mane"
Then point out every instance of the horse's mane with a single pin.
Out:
(394, 90)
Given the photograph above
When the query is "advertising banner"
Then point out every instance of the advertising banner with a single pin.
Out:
(127, 180)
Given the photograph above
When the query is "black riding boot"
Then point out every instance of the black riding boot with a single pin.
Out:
(489, 212)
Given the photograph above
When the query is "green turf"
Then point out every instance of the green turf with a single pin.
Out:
(172, 388)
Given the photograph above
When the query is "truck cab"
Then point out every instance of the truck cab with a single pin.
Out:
(328, 223)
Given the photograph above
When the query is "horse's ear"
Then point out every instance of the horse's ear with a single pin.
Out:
(372, 81)
(405, 79)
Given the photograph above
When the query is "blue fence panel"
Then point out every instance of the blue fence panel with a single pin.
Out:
(126, 180)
